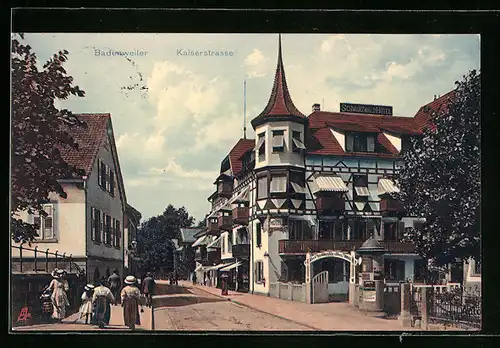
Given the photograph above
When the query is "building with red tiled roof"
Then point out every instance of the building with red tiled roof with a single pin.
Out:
(319, 187)
(88, 224)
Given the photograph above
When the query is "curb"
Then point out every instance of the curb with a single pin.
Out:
(261, 311)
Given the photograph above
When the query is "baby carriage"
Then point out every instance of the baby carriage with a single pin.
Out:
(47, 306)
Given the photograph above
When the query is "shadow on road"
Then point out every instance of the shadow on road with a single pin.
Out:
(167, 289)
(178, 301)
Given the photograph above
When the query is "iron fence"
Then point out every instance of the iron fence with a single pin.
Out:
(456, 307)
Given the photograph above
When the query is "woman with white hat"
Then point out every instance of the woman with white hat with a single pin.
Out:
(86, 308)
(130, 296)
(59, 286)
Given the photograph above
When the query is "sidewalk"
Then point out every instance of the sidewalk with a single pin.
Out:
(73, 323)
(320, 316)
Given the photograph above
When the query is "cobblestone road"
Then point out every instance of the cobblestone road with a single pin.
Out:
(200, 311)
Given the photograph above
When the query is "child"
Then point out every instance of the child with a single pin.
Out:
(86, 308)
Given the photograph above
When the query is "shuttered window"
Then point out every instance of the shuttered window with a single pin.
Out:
(278, 141)
(118, 234)
(111, 182)
(258, 233)
(92, 223)
(259, 271)
(45, 224)
(112, 232)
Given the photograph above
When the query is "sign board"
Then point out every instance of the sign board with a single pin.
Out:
(368, 285)
(366, 109)
(369, 296)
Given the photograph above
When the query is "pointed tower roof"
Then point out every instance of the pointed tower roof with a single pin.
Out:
(280, 106)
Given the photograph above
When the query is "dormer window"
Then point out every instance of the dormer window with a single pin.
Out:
(359, 142)
(278, 140)
(261, 146)
(297, 144)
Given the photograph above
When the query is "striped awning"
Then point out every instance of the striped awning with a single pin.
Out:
(386, 186)
(362, 191)
(230, 267)
(329, 183)
(215, 243)
(200, 241)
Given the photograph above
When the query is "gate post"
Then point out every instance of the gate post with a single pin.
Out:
(307, 263)
(425, 308)
(352, 279)
(404, 317)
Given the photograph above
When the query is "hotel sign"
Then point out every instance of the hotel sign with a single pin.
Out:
(366, 109)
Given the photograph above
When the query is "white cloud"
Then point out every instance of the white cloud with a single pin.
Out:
(256, 64)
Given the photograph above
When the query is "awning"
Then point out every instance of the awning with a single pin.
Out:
(297, 188)
(212, 268)
(230, 267)
(298, 143)
(386, 186)
(329, 183)
(200, 241)
(215, 243)
(362, 191)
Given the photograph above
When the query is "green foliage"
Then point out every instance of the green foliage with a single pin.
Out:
(440, 180)
(155, 238)
(39, 130)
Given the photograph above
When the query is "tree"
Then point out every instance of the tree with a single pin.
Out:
(155, 238)
(440, 179)
(39, 130)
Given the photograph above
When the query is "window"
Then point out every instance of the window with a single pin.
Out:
(278, 183)
(111, 183)
(297, 144)
(394, 270)
(261, 147)
(390, 231)
(258, 233)
(118, 234)
(95, 224)
(44, 224)
(360, 142)
(278, 141)
(373, 227)
(101, 227)
(106, 178)
(108, 230)
(262, 187)
(360, 183)
(113, 232)
(102, 171)
(259, 271)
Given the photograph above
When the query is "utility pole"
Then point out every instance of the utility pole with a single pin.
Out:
(245, 109)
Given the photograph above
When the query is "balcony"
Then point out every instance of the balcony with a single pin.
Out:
(331, 204)
(303, 246)
(241, 250)
(240, 215)
(207, 257)
(213, 227)
(225, 189)
(225, 223)
(391, 205)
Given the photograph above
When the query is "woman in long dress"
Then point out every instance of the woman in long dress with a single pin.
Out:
(86, 308)
(60, 301)
(130, 295)
(102, 300)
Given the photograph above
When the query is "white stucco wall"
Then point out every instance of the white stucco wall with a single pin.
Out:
(69, 224)
(280, 158)
(396, 141)
(103, 201)
(225, 239)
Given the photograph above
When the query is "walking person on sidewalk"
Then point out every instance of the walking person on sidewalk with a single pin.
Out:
(86, 307)
(102, 298)
(194, 278)
(60, 301)
(114, 281)
(130, 296)
(148, 288)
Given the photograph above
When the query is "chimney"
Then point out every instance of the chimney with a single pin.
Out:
(316, 107)
(435, 97)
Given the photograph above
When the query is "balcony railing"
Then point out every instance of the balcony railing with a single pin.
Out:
(225, 189)
(331, 204)
(26, 260)
(207, 257)
(240, 215)
(304, 246)
(225, 223)
(213, 228)
(241, 250)
(391, 205)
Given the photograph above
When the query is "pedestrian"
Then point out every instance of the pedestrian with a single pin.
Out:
(176, 278)
(60, 301)
(194, 278)
(141, 302)
(102, 298)
(114, 285)
(130, 296)
(148, 288)
(86, 307)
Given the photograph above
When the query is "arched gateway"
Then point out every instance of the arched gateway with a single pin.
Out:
(317, 285)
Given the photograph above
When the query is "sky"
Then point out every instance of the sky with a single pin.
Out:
(176, 117)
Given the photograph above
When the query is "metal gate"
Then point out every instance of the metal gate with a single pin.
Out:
(320, 288)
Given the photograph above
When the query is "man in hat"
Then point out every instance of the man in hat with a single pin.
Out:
(148, 288)
(114, 285)
(102, 299)
(130, 296)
